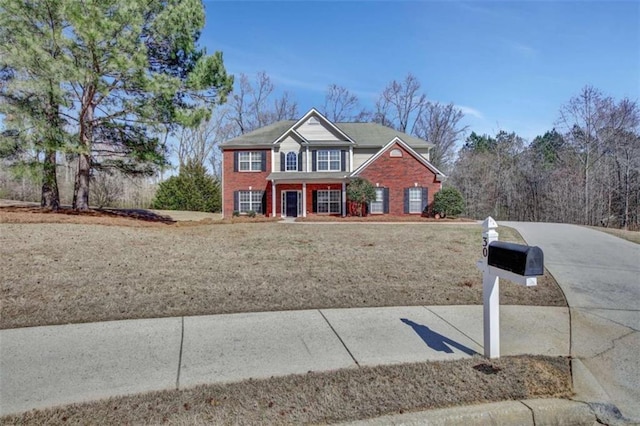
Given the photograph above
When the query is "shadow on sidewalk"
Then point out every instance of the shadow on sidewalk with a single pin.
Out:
(437, 341)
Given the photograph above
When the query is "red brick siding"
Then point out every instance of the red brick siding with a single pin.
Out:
(241, 181)
(298, 187)
(319, 187)
(398, 173)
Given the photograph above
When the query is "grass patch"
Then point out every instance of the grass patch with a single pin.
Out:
(328, 397)
(71, 273)
(633, 236)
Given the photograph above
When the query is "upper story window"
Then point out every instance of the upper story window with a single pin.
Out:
(250, 161)
(329, 160)
(291, 162)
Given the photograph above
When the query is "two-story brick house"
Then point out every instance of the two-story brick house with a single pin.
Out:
(300, 168)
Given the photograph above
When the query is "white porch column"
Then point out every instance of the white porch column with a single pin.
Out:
(273, 198)
(308, 168)
(304, 199)
(344, 199)
(351, 159)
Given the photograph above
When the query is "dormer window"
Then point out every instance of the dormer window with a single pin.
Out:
(291, 161)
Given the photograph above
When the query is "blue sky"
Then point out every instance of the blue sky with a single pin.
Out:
(508, 65)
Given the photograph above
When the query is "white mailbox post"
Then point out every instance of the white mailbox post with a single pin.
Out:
(518, 263)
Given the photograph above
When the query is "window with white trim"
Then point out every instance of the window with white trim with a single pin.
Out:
(250, 161)
(377, 206)
(415, 200)
(329, 160)
(291, 162)
(328, 202)
(250, 201)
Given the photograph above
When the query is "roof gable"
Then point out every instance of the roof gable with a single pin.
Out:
(406, 147)
(313, 118)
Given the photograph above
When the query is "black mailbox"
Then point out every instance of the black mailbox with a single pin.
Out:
(523, 260)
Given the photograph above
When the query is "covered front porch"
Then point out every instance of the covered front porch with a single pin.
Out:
(301, 194)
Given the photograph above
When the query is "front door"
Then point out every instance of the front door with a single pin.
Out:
(291, 209)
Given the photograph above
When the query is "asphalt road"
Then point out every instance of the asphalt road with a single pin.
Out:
(600, 276)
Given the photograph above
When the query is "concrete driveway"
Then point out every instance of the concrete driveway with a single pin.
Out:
(600, 276)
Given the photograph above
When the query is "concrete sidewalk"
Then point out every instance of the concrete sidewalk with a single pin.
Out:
(46, 366)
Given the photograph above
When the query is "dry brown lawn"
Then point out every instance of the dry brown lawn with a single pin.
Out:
(54, 273)
(328, 397)
(633, 236)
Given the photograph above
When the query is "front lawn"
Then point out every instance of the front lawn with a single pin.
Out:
(55, 273)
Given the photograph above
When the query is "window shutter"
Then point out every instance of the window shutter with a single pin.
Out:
(406, 200)
(314, 156)
(300, 161)
(343, 160)
(236, 203)
(283, 160)
(235, 161)
(425, 198)
(263, 203)
(314, 204)
(264, 161)
(385, 200)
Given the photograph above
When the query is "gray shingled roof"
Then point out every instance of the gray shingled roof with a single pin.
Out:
(364, 134)
(377, 135)
(263, 136)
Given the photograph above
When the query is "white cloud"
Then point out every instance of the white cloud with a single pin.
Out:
(470, 111)
(291, 82)
(521, 48)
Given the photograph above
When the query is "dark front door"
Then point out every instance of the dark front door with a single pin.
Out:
(292, 204)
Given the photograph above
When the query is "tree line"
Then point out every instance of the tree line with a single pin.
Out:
(103, 83)
(96, 96)
(586, 170)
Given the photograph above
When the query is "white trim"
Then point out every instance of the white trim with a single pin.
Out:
(350, 159)
(305, 117)
(285, 134)
(273, 198)
(299, 202)
(273, 159)
(397, 140)
(344, 199)
(304, 199)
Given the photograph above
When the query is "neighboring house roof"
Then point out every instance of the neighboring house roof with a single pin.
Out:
(364, 135)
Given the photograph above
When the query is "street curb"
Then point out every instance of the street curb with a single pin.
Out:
(531, 412)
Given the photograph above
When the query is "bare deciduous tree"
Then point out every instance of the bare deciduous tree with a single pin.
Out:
(400, 104)
(200, 145)
(582, 118)
(284, 108)
(340, 104)
(440, 125)
(251, 107)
